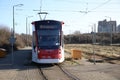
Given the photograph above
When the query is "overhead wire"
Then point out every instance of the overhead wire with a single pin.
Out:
(81, 11)
(100, 5)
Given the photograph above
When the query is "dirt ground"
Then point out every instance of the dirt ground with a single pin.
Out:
(110, 53)
(86, 70)
(108, 69)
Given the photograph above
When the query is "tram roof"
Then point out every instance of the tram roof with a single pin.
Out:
(48, 21)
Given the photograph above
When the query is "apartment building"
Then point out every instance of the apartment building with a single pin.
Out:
(118, 28)
(106, 26)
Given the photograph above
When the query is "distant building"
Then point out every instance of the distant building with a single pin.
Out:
(106, 26)
(118, 28)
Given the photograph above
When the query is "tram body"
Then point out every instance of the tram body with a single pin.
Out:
(47, 42)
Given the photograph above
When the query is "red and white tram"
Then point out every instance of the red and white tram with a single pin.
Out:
(47, 43)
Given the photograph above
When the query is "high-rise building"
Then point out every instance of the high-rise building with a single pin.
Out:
(118, 28)
(106, 26)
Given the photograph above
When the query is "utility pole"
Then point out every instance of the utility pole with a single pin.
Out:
(26, 34)
(27, 44)
(12, 38)
(111, 29)
(18, 5)
(94, 41)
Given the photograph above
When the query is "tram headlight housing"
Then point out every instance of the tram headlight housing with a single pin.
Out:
(38, 51)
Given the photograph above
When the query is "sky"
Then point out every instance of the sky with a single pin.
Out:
(78, 15)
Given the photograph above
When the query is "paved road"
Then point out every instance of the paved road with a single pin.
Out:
(20, 70)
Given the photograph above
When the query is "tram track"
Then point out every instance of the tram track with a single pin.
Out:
(55, 72)
(42, 74)
(73, 77)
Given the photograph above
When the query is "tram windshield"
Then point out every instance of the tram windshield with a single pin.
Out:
(48, 38)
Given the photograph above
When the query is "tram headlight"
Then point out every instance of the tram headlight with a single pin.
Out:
(38, 51)
(59, 51)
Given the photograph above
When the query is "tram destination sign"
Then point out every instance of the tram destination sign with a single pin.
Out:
(49, 27)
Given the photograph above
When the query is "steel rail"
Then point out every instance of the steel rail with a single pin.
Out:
(73, 77)
(41, 72)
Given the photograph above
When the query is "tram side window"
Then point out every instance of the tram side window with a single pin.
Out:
(62, 39)
(34, 40)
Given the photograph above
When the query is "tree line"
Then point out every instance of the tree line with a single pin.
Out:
(100, 38)
(22, 40)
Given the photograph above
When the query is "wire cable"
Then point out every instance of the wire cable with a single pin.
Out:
(100, 5)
